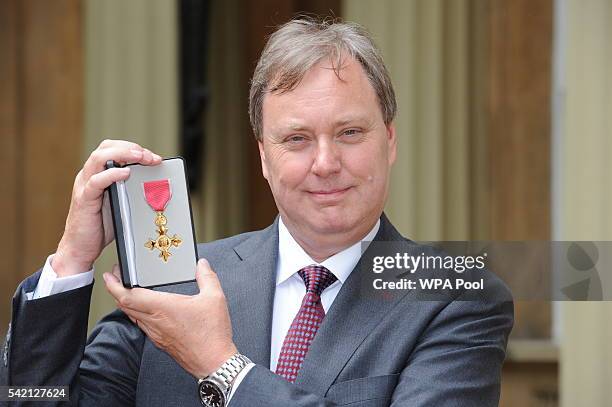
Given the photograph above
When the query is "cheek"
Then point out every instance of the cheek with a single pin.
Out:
(288, 170)
(371, 169)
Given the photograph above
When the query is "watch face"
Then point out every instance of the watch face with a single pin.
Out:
(211, 395)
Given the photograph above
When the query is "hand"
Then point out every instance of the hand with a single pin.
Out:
(88, 225)
(195, 330)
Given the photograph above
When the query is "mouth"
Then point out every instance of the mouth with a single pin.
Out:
(329, 194)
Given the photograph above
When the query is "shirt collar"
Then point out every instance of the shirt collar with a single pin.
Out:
(291, 256)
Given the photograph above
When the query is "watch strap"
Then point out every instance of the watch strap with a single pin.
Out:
(229, 371)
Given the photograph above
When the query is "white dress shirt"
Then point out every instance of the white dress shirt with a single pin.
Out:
(290, 288)
(49, 283)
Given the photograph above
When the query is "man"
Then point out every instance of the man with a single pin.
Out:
(283, 316)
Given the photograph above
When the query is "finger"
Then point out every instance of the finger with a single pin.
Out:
(94, 165)
(116, 289)
(119, 143)
(117, 273)
(137, 299)
(200, 273)
(111, 278)
(97, 159)
(124, 145)
(150, 158)
(206, 277)
(95, 186)
(138, 155)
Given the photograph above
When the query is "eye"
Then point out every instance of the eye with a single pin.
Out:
(295, 138)
(351, 134)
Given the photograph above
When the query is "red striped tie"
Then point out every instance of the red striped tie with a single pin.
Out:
(306, 323)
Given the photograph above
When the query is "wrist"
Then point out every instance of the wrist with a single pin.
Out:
(215, 389)
(64, 263)
(212, 365)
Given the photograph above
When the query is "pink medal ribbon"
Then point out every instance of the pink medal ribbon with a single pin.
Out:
(158, 194)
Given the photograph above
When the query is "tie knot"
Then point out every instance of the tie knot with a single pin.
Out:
(316, 278)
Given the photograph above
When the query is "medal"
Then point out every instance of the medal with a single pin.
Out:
(157, 195)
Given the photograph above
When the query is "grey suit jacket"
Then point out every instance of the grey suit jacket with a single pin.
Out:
(392, 351)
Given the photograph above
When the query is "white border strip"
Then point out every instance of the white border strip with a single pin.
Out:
(128, 236)
(558, 96)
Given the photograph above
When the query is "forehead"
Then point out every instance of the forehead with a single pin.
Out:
(323, 93)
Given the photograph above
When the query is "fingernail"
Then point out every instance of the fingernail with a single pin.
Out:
(105, 277)
(157, 157)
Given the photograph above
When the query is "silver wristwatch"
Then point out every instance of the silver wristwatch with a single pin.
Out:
(215, 388)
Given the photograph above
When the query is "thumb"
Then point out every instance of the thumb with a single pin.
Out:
(204, 273)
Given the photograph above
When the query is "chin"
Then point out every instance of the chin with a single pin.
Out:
(334, 222)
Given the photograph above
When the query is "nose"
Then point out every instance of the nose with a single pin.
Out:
(327, 160)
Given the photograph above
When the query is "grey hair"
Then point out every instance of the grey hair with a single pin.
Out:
(300, 44)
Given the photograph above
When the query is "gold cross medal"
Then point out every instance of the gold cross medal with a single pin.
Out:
(157, 195)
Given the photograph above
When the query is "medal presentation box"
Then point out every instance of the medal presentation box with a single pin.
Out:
(153, 225)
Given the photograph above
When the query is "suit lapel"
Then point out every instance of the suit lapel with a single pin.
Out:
(352, 316)
(249, 285)
(249, 289)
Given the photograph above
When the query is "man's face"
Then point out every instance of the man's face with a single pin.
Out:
(327, 153)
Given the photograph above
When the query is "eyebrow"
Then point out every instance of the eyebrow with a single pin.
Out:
(348, 120)
(297, 126)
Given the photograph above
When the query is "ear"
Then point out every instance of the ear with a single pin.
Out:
(262, 156)
(391, 142)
